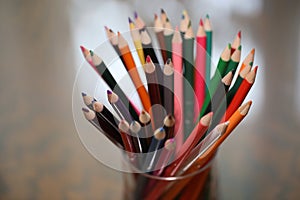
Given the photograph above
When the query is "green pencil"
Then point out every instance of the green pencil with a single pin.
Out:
(168, 35)
(213, 84)
(234, 60)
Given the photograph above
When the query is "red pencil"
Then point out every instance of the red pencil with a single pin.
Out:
(241, 93)
(200, 65)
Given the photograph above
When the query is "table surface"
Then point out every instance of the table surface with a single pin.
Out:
(41, 155)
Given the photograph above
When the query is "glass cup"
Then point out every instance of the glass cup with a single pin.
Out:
(200, 184)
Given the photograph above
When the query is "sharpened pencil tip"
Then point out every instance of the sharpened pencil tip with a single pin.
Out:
(130, 20)
(255, 69)
(168, 61)
(106, 28)
(83, 94)
(201, 22)
(108, 92)
(162, 11)
(207, 16)
(85, 110)
(82, 48)
(135, 15)
(240, 34)
(148, 59)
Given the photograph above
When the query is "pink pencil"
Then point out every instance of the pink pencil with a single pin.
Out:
(178, 87)
(200, 65)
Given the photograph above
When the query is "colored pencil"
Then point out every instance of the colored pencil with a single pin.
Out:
(108, 125)
(188, 145)
(241, 93)
(236, 42)
(113, 39)
(153, 152)
(169, 87)
(169, 123)
(105, 128)
(136, 37)
(219, 94)
(199, 84)
(159, 31)
(168, 35)
(156, 113)
(145, 120)
(126, 138)
(188, 82)
(178, 87)
(184, 22)
(248, 60)
(163, 16)
(133, 72)
(119, 106)
(139, 22)
(234, 61)
(101, 108)
(99, 66)
(88, 100)
(209, 35)
(165, 157)
(214, 82)
(91, 117)
(237, 83)
(135, 129)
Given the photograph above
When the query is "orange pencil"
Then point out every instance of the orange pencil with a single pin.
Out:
(133, 72)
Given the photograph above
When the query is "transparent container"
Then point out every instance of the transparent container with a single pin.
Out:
(201, 184)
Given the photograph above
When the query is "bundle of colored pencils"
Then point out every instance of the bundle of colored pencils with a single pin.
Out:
(187, 112)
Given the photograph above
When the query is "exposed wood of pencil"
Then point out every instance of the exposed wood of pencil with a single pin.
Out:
(236, 42)
(91, 117)
(139, 22)
(234, 61)
(184, 22)
(133, 72)
(248, 60)
(169, 123)
(88, 100)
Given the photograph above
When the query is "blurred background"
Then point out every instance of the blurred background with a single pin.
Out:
(41, 155)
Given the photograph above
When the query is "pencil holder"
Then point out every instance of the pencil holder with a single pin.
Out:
(200, 184)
